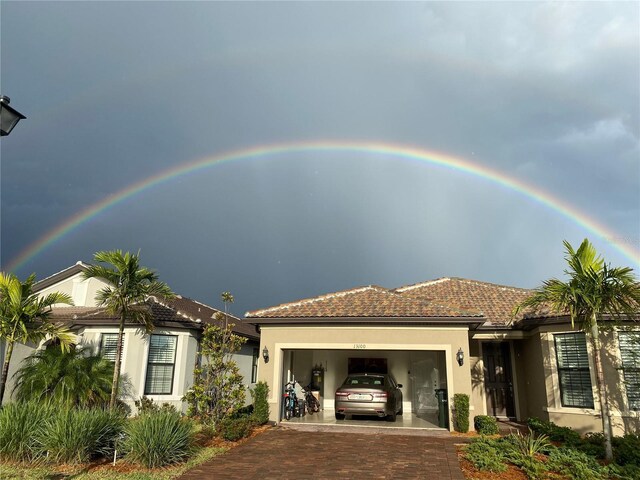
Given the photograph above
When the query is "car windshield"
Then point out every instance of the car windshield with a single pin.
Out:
(364, 380)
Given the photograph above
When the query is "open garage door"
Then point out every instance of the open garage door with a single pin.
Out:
(420, 373)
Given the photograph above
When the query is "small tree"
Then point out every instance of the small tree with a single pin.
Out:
(593, 289)
(131, 285)
(217, 389)
(74, 379)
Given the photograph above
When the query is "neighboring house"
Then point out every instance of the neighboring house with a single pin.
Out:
(160, 365)
(511, 367)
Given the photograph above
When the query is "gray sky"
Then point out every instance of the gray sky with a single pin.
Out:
(117, 92)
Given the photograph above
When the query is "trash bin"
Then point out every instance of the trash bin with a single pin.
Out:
(443, 408)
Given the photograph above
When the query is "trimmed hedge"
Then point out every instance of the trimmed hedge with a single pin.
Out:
(485, 425)
(461, 412)
(233, 429)
(260, 394)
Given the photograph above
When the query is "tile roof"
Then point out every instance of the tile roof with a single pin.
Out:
(178, 312)
(370, 301)
(496, 302)
(197, 310)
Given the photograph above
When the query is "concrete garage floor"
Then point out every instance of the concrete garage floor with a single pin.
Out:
(325, 420)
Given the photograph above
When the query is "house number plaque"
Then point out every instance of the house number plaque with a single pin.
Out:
(359, 346)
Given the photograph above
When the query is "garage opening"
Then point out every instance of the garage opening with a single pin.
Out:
(420, 373)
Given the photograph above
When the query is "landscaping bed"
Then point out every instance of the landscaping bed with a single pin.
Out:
(548, 451)
(45, 441)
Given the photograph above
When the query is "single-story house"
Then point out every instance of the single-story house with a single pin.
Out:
(157, 365)
(454, 334)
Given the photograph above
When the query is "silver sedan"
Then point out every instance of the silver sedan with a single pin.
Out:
(369, 394)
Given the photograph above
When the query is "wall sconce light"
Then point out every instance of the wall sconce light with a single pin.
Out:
(460, 356)
(9, 116)
(265, 354)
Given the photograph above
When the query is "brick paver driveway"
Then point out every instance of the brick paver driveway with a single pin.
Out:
(282, 453)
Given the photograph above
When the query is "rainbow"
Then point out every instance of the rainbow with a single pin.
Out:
(404, 152)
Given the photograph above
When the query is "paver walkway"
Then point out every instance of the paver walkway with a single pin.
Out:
(281, 453)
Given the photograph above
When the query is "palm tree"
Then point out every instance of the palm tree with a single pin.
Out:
(24, 317)
(74, 378)
(593, 290)
(131, 285)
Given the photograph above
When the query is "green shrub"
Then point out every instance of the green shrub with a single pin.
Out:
(626, 450)
(461, 409)
(593, 444)
(260, 395)
(555, 433)
(72, 378)
(233, 429)
(618, 472)
(21, 427)
(245, 411)
(160, 438)
(485, 425)
(147, 405)
(529, 445)
(531, 466)
(539, 426)
(77, 435)
(486, 454)
(575, 464)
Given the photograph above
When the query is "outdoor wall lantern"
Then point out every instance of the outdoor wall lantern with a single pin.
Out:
(9, 116)
(265, 354)
(460, 356)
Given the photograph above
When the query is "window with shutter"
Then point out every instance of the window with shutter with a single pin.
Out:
(109, 346)
(573, 370)
(160, 366)
(629, 344)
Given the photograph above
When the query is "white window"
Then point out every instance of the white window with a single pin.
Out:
(573, 370)
(629, 343)
(109, 346)
(161, 365)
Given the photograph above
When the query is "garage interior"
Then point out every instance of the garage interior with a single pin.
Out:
(420, 373)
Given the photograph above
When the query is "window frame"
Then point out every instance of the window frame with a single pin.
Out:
(147, 390)
(254, 365)
(573, 369)
(631, 405)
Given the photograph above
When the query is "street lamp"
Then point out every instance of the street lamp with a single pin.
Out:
(9, 116)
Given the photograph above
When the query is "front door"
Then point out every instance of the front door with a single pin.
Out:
(497, 379)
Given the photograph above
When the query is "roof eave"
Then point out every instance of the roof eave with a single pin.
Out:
(471, 322)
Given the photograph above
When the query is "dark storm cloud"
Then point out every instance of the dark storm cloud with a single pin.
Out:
(116, 92)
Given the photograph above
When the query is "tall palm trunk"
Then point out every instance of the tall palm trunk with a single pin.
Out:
(602, 389)
(5, 368)
(116, 367)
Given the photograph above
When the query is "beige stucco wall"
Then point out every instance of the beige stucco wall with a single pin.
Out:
(478, 398)
(543, 389)
(326, 340)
